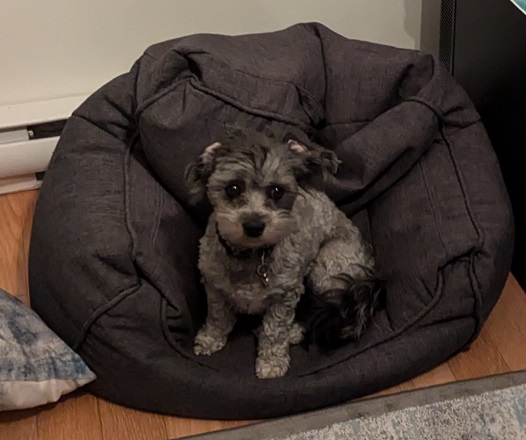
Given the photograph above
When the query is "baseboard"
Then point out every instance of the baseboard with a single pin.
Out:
(29, 134)
(26, 157)
(22, 183)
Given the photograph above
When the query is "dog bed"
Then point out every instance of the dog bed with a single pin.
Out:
(114, 244)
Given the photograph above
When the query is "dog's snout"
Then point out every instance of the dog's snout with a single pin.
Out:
(253, 228)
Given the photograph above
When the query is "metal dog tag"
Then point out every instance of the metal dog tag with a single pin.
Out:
(263, 271)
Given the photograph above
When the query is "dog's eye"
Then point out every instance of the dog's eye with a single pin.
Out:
(233, 191)
(276, 192)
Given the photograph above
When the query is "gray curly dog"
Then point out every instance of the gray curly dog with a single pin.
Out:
(271, 237)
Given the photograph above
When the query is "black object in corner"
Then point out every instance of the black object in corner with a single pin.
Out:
(483, 43)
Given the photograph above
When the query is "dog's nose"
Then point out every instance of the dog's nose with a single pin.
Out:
(253, 229)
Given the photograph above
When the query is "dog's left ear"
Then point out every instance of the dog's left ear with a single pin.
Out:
(197, 173)
(316, 159)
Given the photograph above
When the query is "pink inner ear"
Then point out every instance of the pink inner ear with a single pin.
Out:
(208, 154)
(296, 146)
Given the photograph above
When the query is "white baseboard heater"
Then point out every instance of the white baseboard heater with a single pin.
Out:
(28, 136)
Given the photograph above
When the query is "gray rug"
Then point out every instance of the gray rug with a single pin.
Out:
(492, 408)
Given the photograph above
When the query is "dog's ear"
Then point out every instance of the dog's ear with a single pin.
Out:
(197, 173)
(316, 159)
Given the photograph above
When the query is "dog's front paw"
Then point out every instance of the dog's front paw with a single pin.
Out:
(205, 344)
(271, 368)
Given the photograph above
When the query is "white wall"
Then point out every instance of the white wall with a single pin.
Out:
(56, 48)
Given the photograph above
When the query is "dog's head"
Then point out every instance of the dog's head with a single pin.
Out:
(252, 180)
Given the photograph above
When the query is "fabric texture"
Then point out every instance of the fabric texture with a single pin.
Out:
(36, 366)
(114, 244)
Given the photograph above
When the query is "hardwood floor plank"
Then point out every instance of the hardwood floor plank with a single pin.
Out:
(18, 425)
(178, 427)
(240, 423)
(119, 423)
(506, 326)
(482, 359)
(437, 376)
(74, 417)
(16, 211)
(31, 200)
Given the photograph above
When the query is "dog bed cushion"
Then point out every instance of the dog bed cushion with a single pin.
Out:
(114, 245)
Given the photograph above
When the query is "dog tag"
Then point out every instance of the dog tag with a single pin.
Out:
(263, 271)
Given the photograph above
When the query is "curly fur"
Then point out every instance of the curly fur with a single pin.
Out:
(306, 240)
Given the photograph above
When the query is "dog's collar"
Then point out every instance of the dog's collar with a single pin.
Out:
(263, 268)
(242, 253)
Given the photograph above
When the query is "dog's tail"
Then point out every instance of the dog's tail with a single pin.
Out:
(339, 315)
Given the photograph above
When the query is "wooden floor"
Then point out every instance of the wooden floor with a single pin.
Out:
(500, 348)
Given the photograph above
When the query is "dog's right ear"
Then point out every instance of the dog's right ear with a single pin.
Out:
(316, 159)
(197, 173)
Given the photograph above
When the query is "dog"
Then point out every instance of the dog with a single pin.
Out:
(272, 236)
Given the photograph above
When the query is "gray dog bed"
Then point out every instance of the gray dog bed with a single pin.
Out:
(114, 244)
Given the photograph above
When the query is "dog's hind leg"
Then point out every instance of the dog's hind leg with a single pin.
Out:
(343, 290)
